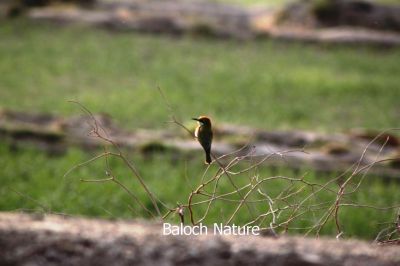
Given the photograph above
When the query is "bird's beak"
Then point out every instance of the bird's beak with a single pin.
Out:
(195, 119)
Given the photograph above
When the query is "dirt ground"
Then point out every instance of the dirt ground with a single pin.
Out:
(57, 240)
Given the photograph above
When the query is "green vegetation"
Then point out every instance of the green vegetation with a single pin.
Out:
(264, 83)
(33, 181)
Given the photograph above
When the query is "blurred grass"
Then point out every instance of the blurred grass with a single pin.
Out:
(27, 175)
(266, 84)
(269, 84)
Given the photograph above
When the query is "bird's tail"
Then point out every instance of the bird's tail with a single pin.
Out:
(208, 157)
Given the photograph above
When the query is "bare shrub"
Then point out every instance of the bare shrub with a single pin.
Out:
(311, 204)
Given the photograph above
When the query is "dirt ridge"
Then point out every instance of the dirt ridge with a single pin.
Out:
(56, 240)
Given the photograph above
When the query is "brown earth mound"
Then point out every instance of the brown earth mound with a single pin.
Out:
(55, 240)
(320, 21)
(295, 149)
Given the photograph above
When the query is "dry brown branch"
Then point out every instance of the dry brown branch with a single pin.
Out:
(99, 132)
(299, 199)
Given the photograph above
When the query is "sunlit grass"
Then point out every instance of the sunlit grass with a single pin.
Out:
(34, 181)
(266, 84)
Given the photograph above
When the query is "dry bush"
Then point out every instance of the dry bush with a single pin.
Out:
(298, 200)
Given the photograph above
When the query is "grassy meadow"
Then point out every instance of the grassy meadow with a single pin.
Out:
(266, 84)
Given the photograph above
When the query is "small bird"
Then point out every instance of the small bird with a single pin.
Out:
(204, 135)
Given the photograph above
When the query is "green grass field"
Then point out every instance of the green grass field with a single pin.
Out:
(270, 85)
(266, 84)
(33, 181)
